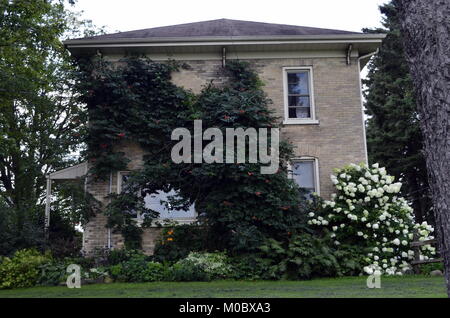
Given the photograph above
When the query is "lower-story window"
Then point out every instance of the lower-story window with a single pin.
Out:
(159, 202)
(305, 172)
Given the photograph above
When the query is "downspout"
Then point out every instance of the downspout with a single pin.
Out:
(362, 103)
(47, 206)
(110, 192)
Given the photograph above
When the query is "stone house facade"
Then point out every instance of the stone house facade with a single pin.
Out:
(312, 76)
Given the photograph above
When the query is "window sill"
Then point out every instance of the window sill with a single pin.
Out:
(301, 122)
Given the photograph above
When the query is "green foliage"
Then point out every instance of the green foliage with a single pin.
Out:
(187, 271)
(137, 269)
(52, 273)
(41, 122)
(394, 138)
(22, 270)
(178, 241)
(135, 100)
(303, 257)
(122, 255)
(250, 267)
(428, 268)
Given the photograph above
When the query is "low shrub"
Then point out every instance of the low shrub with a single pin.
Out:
(249, 267)
(186, 271)
(138, 269)
(216, 265)
(426, 269)
(118, 256)
(52, 274)
(304, 256)
(132, 270)
(23, 269)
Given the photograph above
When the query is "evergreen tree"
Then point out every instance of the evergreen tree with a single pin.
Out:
(394, 138)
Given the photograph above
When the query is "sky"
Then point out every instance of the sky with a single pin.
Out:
(126, 15)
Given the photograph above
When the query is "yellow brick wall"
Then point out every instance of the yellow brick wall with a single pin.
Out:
(336, 141)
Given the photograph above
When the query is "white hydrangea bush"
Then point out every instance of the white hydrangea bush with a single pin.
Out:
(368, 211)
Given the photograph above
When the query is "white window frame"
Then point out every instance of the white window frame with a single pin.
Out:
(299, 121)
(316, 170)
(159, 221)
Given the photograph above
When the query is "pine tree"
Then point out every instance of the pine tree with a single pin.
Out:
(393, 134)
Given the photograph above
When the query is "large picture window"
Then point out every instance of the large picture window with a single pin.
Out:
(158, 202)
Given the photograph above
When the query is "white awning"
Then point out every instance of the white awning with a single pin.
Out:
(73, 172)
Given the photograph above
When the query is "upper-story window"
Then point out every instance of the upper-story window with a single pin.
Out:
(159, 202)
(298, 96)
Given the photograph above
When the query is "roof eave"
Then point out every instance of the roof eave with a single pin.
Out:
(224, 40)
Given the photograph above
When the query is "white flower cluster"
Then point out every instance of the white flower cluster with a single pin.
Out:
(368, 211)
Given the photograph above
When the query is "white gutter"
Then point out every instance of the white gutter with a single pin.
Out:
(243, 40)
(222, 43)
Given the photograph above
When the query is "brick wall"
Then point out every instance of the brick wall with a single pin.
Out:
(335, 142)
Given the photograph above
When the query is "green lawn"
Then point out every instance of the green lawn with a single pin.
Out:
(408, 286)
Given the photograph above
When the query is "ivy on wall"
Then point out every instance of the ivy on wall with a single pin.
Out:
(135, 100)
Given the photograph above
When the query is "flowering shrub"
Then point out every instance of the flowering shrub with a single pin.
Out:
(216, 265)
(367, 211)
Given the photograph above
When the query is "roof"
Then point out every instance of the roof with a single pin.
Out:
(220, 28)
(211, 37)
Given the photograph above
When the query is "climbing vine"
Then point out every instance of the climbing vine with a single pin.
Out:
(135, 101)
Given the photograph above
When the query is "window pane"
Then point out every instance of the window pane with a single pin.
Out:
(298, 83)
(153, 202)
(304, 174)
(298, 101)
(299, 112)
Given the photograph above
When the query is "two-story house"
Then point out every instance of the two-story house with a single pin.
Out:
(312, 75)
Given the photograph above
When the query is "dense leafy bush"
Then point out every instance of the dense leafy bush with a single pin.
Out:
(132, 270)
(23, 269)
(52, 273)
(186, 271)
(368, 212)
(304, 256)
(250, 267)
(122, 255)
(426, 269)
(177, 241)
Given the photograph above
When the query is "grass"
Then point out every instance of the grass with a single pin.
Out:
(391, 287)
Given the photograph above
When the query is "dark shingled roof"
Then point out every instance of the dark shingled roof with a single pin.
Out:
(218, 28)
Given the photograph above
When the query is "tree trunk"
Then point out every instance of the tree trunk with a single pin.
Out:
(426, 35)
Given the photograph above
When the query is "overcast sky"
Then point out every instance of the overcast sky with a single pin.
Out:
(126, 15)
